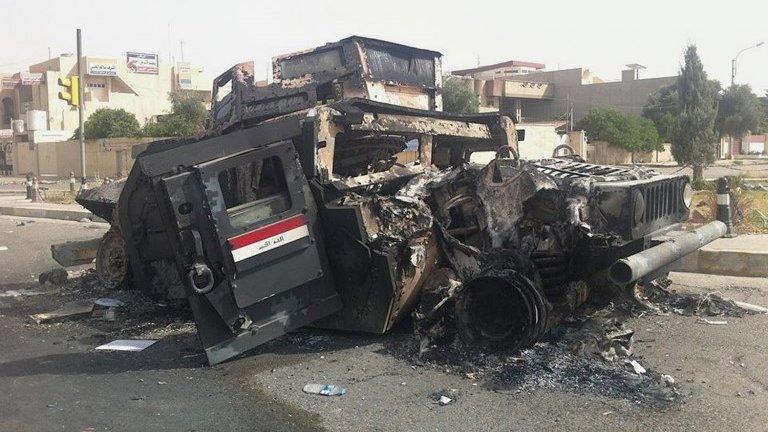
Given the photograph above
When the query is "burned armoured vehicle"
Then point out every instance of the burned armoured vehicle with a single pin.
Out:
(344, 214)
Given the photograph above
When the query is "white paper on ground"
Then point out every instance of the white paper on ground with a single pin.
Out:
(127, 345)
(3, 248)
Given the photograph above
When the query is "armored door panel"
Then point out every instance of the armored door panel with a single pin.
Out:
(247, 218)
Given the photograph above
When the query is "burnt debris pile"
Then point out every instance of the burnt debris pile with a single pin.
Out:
(499, 252)
(82, 296)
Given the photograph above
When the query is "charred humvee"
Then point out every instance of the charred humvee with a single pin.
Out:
(343, 212)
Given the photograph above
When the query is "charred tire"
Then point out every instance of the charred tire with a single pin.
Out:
(112, 259)
(502, 310)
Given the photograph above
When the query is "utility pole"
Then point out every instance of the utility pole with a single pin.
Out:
(736, 59)
(182, 51)
(80, 105)
(169, 42)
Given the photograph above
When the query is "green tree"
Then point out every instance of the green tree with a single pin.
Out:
(632, 133)
(110, 123)
(693, 136)
(738, 112)
(762, 126)
(459, 96)
(189, 106)
(662, 108)
(187, 117)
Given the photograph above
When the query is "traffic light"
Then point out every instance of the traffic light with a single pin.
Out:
(72, 92)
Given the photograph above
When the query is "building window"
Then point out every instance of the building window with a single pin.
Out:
(7, 110)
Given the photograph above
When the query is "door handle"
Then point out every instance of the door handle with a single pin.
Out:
(200, 276)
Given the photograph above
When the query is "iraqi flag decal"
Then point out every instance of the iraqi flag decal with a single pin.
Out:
(268, 237)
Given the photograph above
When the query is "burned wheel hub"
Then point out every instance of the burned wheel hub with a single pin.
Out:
(111, 259)
(502, 309)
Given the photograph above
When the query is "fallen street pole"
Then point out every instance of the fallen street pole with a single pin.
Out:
(636, 266)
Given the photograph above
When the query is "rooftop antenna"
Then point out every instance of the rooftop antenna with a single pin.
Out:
(181, 42)
(478, 60)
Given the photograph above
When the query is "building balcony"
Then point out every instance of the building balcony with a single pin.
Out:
(500, 87)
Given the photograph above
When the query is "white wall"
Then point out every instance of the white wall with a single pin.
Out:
(540, 140)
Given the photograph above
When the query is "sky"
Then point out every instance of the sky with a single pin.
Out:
(600, 35)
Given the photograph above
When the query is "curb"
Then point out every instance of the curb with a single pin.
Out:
(60, 214)
(724, 262)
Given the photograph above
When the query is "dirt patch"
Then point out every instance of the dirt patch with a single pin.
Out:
(58, 197)
(750, 209)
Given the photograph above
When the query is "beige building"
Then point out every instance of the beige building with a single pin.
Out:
(138, 83)
(32, 115)
(528, 93)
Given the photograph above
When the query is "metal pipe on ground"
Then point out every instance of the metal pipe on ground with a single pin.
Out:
(634, 267)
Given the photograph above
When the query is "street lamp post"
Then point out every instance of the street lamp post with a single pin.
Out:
(735, 59)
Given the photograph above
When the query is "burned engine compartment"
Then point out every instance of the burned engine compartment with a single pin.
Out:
(512, 246)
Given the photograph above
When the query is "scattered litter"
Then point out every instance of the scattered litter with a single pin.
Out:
(749, 307)
(21, 292)
(68, 310)
(444, 400)
(85, 220)
(637, 367)
(325, 389)
(127, 345)
(109, 302)
(609, 355)
(658, 297)
(711, 322)
(668, 379)
(3, 248)
(106, 308)
(161, 383)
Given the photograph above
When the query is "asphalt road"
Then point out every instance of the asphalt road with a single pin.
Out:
(52, 379)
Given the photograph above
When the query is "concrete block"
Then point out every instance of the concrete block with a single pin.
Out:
(75, 253)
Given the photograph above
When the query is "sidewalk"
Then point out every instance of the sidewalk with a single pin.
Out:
(17, 205)
(745, 255)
